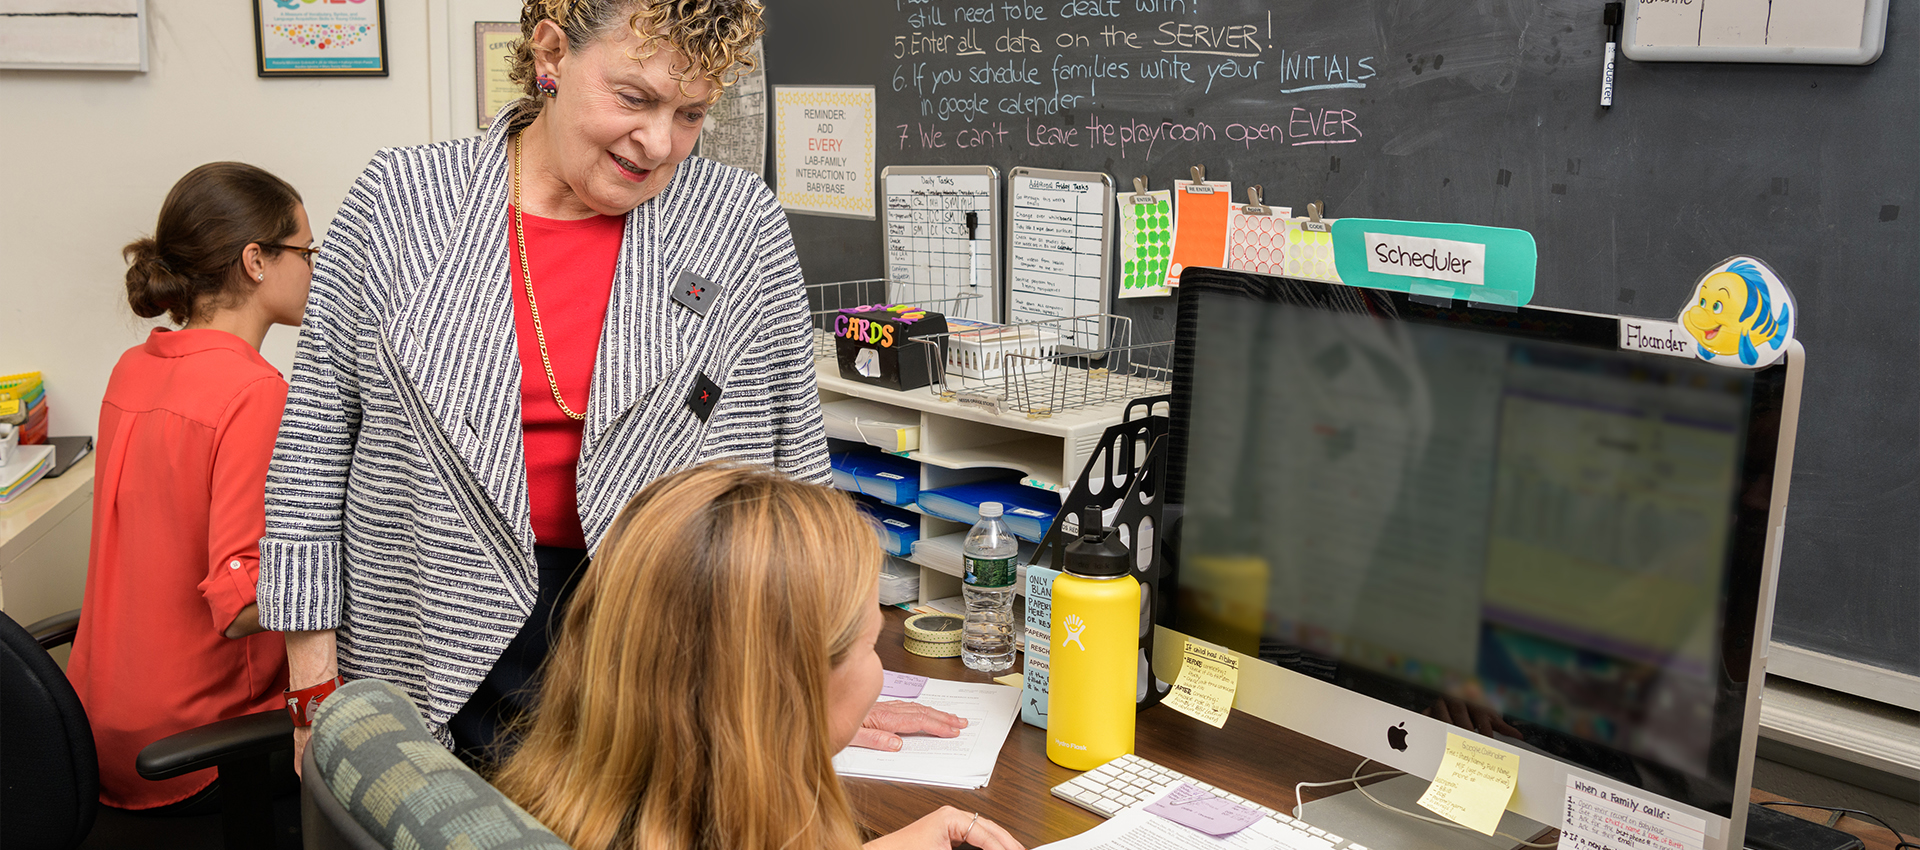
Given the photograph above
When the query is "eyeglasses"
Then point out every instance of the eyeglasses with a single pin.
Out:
(305, 253)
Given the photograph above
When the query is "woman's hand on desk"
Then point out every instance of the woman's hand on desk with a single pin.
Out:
(947, 828)
(887, 721)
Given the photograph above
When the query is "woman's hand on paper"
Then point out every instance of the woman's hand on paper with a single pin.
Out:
(947, 828)
(887, 721)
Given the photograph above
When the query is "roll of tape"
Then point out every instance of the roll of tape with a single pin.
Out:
(934, 635)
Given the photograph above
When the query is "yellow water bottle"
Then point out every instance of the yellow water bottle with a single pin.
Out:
(1095, 643)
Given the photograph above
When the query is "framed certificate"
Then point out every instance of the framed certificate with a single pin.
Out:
(493, 49)
(338, 38)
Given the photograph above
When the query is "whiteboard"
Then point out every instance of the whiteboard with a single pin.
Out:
(932, 255)
(1059, 250)
(1824, 32)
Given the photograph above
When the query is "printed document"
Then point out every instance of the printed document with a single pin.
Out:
(965, 761)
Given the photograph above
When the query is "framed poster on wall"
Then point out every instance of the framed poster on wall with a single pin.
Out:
(338, 38)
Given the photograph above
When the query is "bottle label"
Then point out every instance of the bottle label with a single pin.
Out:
(990, 572)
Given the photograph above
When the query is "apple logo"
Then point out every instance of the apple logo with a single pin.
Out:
(1397, 737)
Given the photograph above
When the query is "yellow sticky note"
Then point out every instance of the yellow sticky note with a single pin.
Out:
(1474, 784)
(1012, 680)
(1204, 689)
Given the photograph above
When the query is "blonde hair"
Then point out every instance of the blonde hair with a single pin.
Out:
(715, 36)
(685, 702)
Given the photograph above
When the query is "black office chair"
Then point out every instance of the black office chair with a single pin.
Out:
(394, 785)
(50, 774)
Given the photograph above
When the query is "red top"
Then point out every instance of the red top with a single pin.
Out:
(573, 264)
(186, 429)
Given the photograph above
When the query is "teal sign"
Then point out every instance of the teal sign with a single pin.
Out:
(1491, 265)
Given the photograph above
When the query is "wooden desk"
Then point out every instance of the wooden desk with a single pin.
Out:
(1253, 758)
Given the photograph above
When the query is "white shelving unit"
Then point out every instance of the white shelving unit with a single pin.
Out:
(961, 443)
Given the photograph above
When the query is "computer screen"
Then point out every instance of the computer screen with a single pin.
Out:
(1494, 518)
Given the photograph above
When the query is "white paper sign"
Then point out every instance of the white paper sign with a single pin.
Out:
(1656, 337)
(824, 155)
(1601, 818)
(1434, 259)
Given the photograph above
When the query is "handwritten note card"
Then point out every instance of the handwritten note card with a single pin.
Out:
(1204, 690)
(1474, 784)
(1200, 225)
(902, 685)
(1601, 818)
(1146, 244)
(1202, 810)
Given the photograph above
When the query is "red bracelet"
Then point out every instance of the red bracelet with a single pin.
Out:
(301, 703)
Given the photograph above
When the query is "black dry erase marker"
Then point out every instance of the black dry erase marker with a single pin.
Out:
(1612, 16)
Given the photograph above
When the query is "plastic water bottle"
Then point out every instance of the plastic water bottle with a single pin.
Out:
(989, 554)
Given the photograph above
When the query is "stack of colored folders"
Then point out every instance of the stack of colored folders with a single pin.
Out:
(23, 404)
(29, 465)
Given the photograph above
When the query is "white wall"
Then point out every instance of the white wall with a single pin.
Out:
(87, 157)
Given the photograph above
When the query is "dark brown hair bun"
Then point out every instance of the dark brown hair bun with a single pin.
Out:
(208, 219)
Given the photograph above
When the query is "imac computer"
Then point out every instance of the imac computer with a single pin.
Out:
(1412, 518)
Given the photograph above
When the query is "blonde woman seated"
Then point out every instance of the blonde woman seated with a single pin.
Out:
(717, 653)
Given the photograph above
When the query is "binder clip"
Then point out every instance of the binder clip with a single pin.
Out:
(1254, 207)
(1140, 195)
(1199, 186)
(1313, 221)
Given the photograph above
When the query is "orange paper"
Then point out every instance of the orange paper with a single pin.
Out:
(1199, 225)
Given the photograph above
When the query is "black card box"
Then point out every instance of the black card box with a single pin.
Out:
(874, 345)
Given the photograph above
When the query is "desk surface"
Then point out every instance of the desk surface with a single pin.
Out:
(48, 497)
(1262, 760)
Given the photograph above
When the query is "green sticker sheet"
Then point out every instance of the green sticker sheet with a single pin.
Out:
(1146, 244)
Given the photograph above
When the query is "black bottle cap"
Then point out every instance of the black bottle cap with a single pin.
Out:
(1097, 553)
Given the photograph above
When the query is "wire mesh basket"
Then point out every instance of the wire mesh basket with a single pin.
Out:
(1024, 368)
(824, 300)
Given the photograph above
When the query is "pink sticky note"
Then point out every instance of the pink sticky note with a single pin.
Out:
(902, 685)
(1213, 815)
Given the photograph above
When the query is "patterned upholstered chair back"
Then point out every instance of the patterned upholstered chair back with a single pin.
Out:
(374, 778)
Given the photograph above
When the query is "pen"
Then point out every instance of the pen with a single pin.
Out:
(1614, 12)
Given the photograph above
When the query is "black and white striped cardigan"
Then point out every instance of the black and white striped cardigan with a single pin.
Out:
(397, 507)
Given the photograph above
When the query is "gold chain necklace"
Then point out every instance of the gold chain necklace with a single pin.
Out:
(526, 272)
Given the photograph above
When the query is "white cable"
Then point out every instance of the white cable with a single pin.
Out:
(1356, 778)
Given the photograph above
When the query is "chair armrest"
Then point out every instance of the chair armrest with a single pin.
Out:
(55, 630)
(216, 743)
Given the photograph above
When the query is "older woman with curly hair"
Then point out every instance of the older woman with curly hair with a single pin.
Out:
(508, 337)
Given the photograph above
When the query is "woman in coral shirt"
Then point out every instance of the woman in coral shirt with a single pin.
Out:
(169, 633)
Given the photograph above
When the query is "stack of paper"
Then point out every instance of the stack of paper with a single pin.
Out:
(965, 761)
(29, 463)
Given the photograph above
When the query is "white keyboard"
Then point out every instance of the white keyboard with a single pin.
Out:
(1129, 781)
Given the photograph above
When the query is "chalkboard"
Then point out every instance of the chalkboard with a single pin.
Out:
(1481, 112)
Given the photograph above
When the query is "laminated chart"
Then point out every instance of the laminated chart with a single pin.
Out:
(1061, 233)
(943, 238)
(1146, 244)
(1199, 226)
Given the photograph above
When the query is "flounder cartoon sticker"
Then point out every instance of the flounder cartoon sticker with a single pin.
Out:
(1741, 314)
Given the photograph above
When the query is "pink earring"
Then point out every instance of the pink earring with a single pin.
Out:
(546, 85)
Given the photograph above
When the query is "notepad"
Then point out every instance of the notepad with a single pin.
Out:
(963, 761)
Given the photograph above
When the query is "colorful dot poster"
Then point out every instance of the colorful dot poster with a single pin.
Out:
(1200, 225)
(320, 39)
(1146, 244)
